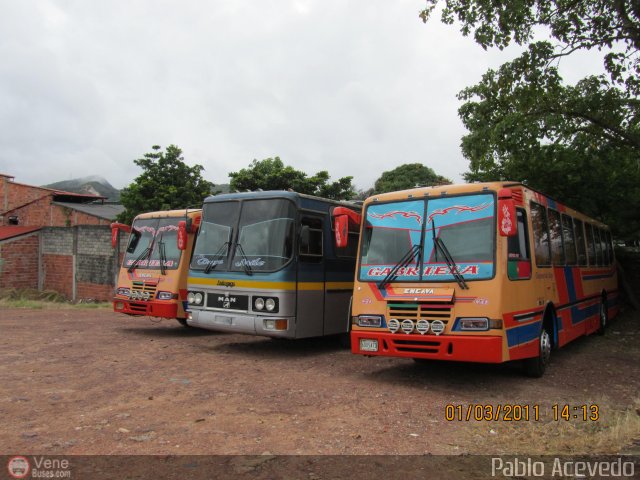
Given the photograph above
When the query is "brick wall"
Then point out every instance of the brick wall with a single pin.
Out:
(77, 262)
(43, 212)
(19, 262)
(13, 194)
(57, 274)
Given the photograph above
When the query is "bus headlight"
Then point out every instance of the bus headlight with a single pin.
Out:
(394, 325)
(195, 298)
(166, 296)
(407, 326)
(124, 291)
(258, 303)
(437, 327)
(369, 321)
(422, 326)
(270, 304)
(474, 324)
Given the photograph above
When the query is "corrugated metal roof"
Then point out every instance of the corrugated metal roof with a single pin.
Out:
(10, 231)
(106, 211)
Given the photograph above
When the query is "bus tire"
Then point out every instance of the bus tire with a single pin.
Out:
(536, 366)
(604, 317)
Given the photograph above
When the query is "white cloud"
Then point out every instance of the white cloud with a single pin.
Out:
(352, 88)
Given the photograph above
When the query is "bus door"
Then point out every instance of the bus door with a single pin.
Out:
(311, 276)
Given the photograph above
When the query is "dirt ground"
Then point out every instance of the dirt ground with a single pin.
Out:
(77, 381)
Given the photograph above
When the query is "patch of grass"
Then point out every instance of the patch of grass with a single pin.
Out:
(615, 431)
(34, 299)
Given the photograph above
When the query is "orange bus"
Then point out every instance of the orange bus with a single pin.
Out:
(482, 272)
(153, 278)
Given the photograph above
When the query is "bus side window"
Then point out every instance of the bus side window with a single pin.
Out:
(555, 231)
(519, 261)
(540, 235)
(312, 251)
(610, 248)
(603, 247)
(593, 259)
(596, 241)
(580, 242)
(569, 240)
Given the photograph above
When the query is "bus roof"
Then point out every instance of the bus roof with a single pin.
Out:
(277, 194)
(462, 188)
(169, 213)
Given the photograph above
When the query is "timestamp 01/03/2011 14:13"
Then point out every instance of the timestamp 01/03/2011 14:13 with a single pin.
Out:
(521, 412)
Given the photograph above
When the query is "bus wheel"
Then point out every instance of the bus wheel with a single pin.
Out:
(183, 322)
(604, 317)
(535, 367)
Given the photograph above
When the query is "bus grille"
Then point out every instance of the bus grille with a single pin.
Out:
(143, 291)
(415, 311)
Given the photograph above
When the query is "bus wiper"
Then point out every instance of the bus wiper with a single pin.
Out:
(247, 268)
(163, 257)
(413, 252)
(451, 263)
(212, 263)
(145, 253)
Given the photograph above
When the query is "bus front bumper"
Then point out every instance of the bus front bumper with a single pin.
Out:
(150, 309)
(459, 348)
(237, 322)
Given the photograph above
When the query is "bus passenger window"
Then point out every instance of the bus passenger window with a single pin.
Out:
(580, 241)
(591, 244)
(596, 241)
(555, 231)
(609, 247)
(519, 262)
(603, 247)
(311, 246)
(540, 235)
(569, 240)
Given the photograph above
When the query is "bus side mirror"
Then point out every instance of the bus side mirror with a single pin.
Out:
(507, 223)
(341, 228)
(115, 228)
(182, 235)
(114, 236)
(305, 236)
(343, 216)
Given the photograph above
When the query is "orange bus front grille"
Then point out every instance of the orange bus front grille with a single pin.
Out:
(138, 307)
(143, 291)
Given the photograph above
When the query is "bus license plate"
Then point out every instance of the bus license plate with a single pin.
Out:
(223, 320)
(367, 345)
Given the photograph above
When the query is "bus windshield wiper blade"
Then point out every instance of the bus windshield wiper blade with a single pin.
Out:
(247, 268)
(145, 253)
(212, 263)
(438, 243)
(414, 251)
(163, 257)
(451, 263)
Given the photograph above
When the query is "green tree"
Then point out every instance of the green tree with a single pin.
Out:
(580, 143)
(409, 175)
(272, 174)
(165, 183)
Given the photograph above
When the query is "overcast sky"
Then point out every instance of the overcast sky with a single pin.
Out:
(355, 88)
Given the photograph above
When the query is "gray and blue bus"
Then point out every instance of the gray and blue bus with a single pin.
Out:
(272, 264)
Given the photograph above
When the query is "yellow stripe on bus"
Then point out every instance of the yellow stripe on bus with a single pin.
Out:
(307, 286)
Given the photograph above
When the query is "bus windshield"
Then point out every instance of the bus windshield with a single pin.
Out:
(153, 240)
(253, 235)
(405, 232)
